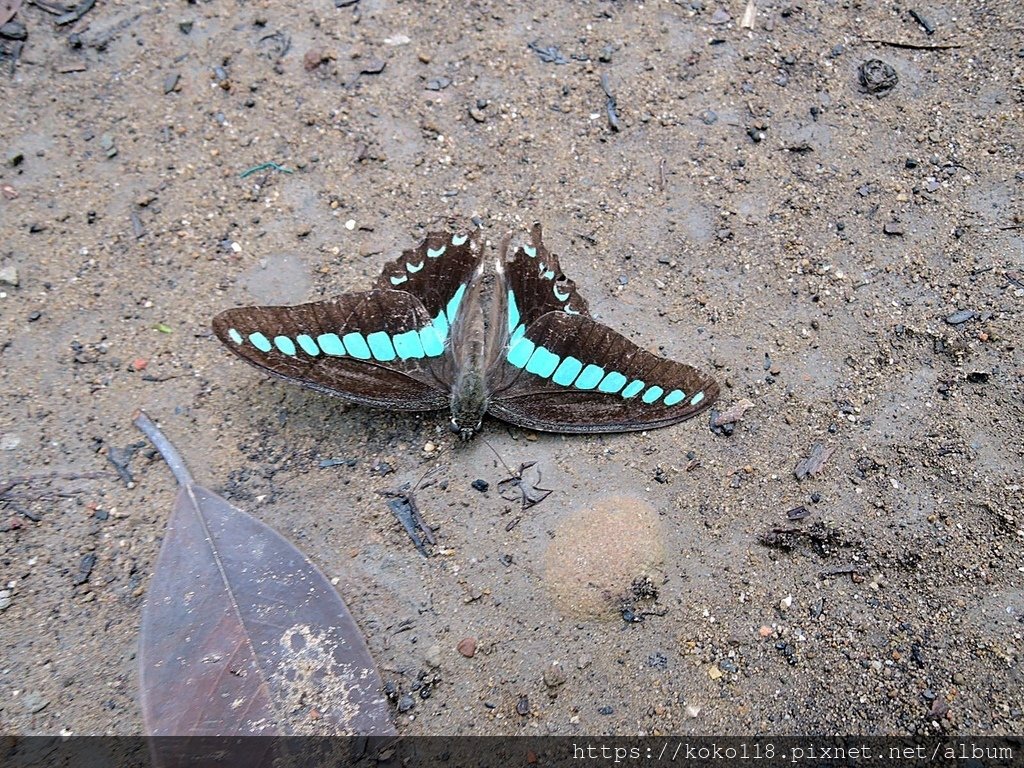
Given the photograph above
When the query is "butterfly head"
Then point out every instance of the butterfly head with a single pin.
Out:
(464, 432)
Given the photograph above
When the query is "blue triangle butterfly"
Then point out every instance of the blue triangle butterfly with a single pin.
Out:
(444, 327)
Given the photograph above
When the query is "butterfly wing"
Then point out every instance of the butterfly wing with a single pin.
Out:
(379, 348)
(388, 348)
(537, 286)
(569, 373)
(436, 272)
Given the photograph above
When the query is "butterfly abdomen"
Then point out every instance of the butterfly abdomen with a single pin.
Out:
(469, 401)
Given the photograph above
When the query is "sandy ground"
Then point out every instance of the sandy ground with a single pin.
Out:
(850, 263)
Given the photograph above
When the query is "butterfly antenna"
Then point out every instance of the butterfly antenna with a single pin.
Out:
(419, 483)
(498, 455)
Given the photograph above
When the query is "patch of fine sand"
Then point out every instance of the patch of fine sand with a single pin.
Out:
(597, 553)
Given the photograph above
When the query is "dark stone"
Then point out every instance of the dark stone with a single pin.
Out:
(85, 566)
(406, 702)
(14, 30)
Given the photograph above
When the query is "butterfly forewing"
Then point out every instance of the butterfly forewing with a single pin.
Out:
(568, 373)
(437, 272)
(379, 348)
(536, 286)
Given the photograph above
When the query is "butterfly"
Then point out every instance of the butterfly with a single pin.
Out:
(446, 327)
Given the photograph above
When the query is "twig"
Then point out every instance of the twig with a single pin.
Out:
(916, 46)
(6, 487)
(610, 104)
(163, 445)
(263, 167)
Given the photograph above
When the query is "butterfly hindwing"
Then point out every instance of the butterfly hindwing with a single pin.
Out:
(380, 348)
(569, 373)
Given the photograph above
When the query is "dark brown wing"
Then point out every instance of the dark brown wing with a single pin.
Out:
(378, 348)
(537, 286)
(436, 272)
(569, 373)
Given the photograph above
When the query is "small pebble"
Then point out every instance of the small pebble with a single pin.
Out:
(433, 656)
(554, 675)
(34, 702)
(373, 67)
(957, 318)
(9, 275)
(523, 706)
(429, 448)
(5, 599)
(765, 631)
(438, 83)
(893, 228)
(480, 485)
(467, 647)
(406, 702)
(14, 30)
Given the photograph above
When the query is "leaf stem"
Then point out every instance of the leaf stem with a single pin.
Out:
(165, 447)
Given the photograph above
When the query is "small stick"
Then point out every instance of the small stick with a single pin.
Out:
(137, 229)
(428, 532)
(163, 445)
(263, 167)
(916, 46)
(30, 479)
(610, 104)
